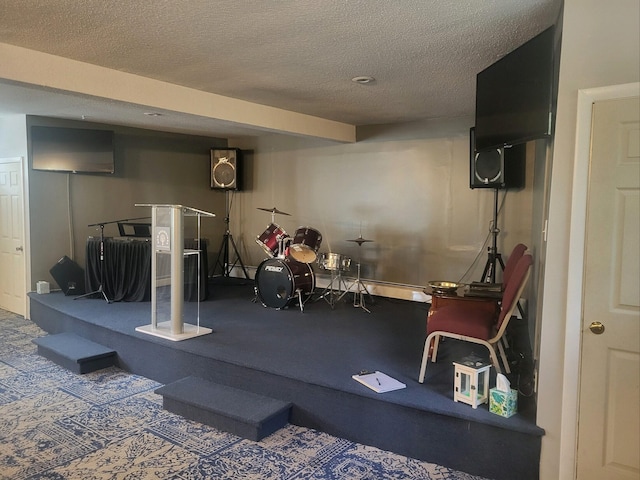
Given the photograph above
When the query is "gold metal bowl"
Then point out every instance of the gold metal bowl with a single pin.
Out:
(442, 287)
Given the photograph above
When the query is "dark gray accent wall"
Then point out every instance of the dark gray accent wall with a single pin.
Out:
(151, 167)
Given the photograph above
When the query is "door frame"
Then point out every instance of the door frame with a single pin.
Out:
(26, 263)
(577, 229)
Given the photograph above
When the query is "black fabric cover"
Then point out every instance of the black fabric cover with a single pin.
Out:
(127, 270)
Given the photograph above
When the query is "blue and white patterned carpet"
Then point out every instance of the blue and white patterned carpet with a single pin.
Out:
(109, 424)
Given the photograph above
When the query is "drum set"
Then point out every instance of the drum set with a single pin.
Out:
(286, 275)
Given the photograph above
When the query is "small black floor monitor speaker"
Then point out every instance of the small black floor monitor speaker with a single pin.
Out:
(69, 276)
(498, 167)
(226, 168)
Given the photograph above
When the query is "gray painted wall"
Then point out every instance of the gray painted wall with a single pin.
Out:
(151, 167)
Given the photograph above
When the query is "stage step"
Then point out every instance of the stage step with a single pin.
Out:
(75, 353)
(245, 414)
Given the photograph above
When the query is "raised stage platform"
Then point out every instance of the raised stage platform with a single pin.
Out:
(307, 358)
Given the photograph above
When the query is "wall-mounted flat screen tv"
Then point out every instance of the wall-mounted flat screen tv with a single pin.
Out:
(76, 150)
(514, 95)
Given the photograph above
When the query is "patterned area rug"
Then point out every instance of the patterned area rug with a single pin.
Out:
(109, 424)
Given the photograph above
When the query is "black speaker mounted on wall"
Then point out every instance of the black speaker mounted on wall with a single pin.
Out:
(497, 168)
(226, 168)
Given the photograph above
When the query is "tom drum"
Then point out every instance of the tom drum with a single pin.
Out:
(271, 238)
(305, 244)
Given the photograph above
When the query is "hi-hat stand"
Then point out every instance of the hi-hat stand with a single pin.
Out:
(223, 253)
(361, 288)
(332, 294)
(489, 272)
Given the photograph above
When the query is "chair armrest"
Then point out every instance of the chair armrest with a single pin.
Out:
(488, 304)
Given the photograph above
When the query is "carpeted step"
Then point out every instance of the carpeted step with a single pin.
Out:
(245, 414)
(75, 353)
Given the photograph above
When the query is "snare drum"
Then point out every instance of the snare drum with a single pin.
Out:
(305, 244)
(278, 281)
(271, 238)
(334, 262)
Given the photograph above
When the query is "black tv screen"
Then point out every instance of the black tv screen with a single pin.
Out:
(514, 95)
(75, 150)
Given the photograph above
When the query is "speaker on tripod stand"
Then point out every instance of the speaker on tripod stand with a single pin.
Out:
(498, 168)
(502, 167)
(226, 176)
(226, 166)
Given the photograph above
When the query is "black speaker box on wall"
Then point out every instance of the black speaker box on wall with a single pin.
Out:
(226, 171)
(69, 276)
(498, 167)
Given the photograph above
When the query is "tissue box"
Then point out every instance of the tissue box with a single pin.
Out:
(42, 287)
(502, 403)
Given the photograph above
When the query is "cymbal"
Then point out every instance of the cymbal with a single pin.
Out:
(274, 210)
(360, 240)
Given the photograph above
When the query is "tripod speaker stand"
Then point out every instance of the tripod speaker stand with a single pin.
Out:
(227, 240)
(489, 272)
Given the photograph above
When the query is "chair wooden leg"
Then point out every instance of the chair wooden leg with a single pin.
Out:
(434, 348)
(494, 357)
(504, 357)
(427, 352)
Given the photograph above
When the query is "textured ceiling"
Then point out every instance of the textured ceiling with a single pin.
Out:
(296, 55)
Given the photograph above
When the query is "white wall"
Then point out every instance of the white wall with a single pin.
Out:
(600, 46)
(13, 136)
(406, 187)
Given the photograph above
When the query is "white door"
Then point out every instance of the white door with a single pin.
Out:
(609, 418)
(12, 261)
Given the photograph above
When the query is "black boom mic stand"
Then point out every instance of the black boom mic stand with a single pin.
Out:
(100, 289)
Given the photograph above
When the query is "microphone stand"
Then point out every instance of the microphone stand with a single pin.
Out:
(101, 286)
(100, 289)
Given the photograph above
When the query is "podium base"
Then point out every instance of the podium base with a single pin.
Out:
(163, 330)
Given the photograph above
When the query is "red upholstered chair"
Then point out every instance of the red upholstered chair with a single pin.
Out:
(516, 254)
(512, 261)
(464, 320)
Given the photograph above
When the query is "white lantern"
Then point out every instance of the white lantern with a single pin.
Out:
(471, 382)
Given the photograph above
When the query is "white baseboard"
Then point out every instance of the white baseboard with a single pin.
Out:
(382, 289)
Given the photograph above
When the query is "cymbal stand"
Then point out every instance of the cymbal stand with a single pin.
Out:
(101, 286)
(223, 253)
(361, 288)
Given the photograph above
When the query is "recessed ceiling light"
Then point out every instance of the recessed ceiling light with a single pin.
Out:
(153, 114)
(363, 80)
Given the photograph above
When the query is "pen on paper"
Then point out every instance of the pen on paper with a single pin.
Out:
(378, 380)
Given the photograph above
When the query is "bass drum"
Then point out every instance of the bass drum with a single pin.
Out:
(277, 281)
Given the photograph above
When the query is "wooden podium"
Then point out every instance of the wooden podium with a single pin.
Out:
(167, 272)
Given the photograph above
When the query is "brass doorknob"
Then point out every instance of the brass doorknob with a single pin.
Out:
(596, 327)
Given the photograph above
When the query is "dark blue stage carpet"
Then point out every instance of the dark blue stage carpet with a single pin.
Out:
(308, 358)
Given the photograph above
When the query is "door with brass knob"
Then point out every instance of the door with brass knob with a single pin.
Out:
(609, 424)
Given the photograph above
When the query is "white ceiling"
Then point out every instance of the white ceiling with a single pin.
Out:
(295, 55)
